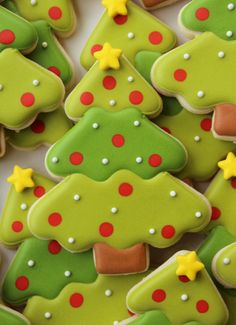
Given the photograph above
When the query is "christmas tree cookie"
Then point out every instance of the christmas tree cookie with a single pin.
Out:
(98, 303)
(171, 208)
(51, 55)
(104, 142)
(16, 32)
(184, 283)
(11, 317)
(32, 271)
(27, 187)
(58, 14)
(194, 132)
(113, 84)
(46, 129)
(154, 4)
(222, 194)
(24, 90)
(214, 16)
(120, 25)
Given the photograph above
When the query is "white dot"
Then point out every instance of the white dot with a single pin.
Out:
(1, 87)
(67, 274)
(33, 2)
(200, 94)
(137, 123)
(130, 79)
(36, 82)
(197, 138)
(112, 102)
(23, 206)
(55, 160)
(152, 231)
(48, 315)
(186, 56)
(116, 322)
(221, 54)
(31, 263)
(71, 240)
(229, 33)
(139, 160)
(231, 6)
(198, 214)
(108, 293)
(44, 45)
(173, 194)
(76, 197)
(105, 161)
(131, 35)
(226, 261)
(114, 210)
(95, 125)
(184, 297)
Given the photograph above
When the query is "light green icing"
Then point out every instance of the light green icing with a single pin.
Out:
(144, 61)
(218, 17)
(14, 213)
(46, 129)
(107, 30)
(149, 102)
(47, 275)
(209, 79)
(95, 307)
(191, 130)
(140, 298)
(11, 317)
(63, 22)
(88, 217)
(17, 76)
(16, 32)
(103, 135)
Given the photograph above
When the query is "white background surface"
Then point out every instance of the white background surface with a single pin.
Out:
(89, 12)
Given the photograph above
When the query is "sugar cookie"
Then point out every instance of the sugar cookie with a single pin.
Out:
(154, 4)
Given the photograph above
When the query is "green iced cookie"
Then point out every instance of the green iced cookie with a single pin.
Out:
(11, 317)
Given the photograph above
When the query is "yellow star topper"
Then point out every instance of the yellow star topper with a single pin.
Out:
(115, 7)
(21, 178)
(228, 166)
(108, 57)
(189, 265)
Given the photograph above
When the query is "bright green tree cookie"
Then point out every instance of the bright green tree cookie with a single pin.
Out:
(58, 14)
(13, 222)
(103, 143)
(123, 30)
(51, 55)
(170, 290)
(200, 73)
(24, 90)
(194, 132)
(113, 84)
(44, 268)
(46, 129)
(11, 317)
(209, 15)
(98, 303)
(16, 32)
(113, 211)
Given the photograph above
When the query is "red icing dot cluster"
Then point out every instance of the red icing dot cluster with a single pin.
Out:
(125, 189)
(109, 82)
(202, 14)
(215, 214)
(168, 232)
(55, 13)
(76, 158)
(39, 191)
(206, 124)
(118, 140)
(27, 99)
(38, 127)
(22, 283)
(76, 300)
(155, 38)
(54, 247)
(180, 75)
(159, 295)
(55, 70)
(106, 229)
(7, 37)
(202, 306)
(17, 226)
(55, 219)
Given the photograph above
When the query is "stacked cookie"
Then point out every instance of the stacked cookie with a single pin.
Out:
(102, 242)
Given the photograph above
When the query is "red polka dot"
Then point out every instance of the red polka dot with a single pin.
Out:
(96, 48)
(76, 158)
(38, 127)
(109, 82)
(55, 13)
(27, 99)
(55, 70)
(202, 14)
(155, 160)
(118, 140)
(55, 219)
(136, 97)
(125, 189)
(86, 98)
(54, 247)
(180, 75)
(159, 295)
(215, 214)
(120, 20)
(7, 37)
(233, 183)
(39, 191)
(202, 306)
(167, 130)
(76, 300)
(22, 283)
(155, 38)
(183, 278)
(106, 229)
(168, 231)
(17, 226)
(206, 124)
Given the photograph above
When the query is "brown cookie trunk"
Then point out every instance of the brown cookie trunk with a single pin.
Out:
(112, 261)
(2, 142)
(225, 120)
